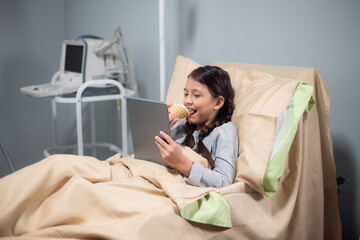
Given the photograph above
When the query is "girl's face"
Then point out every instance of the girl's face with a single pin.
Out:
(202, 107)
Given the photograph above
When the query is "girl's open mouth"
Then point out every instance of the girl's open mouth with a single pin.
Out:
(192, 112)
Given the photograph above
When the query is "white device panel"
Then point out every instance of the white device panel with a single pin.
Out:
(72, 62)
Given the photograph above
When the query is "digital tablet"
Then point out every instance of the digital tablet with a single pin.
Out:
(147, 118)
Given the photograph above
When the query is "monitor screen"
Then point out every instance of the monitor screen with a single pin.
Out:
(73, 58)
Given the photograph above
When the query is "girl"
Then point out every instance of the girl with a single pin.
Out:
(208, 96)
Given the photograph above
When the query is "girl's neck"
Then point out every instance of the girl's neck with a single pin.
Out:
(200, 127)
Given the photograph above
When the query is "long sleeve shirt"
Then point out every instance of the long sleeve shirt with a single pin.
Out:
(222, 144)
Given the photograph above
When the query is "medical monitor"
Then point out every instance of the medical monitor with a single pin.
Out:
(72, 61)
(73, 58)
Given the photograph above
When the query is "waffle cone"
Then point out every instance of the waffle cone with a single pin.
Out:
(178, 111)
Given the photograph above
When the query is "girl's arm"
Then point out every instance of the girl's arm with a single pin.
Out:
(172, 154)
(225, 152)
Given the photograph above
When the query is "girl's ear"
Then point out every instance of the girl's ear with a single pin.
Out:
(219, 103)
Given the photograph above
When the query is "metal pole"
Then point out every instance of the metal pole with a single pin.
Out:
(162, 48)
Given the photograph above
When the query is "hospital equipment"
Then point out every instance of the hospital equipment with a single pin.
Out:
(101, 70)
(89, 58)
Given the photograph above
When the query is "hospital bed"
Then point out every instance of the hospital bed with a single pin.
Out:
(285, 187)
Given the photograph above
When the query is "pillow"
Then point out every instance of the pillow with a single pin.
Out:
(183, 67)
(259, 100)
(286, 129)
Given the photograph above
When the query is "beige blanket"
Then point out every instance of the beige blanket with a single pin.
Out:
(76, 197)
(71, 196)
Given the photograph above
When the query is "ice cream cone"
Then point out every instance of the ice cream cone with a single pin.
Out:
(178, 111)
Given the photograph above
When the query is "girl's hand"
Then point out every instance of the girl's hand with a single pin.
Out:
(172, 123)
(172, 154)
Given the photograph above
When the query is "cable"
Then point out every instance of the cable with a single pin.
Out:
(6, 154)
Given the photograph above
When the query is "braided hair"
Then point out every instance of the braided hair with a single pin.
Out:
(218, 83)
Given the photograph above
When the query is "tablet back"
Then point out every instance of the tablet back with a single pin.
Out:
(147, 118)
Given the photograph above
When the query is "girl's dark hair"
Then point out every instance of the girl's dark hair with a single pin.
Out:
(218, 83)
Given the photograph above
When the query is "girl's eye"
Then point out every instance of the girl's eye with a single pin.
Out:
(196, 95)
(185, 94)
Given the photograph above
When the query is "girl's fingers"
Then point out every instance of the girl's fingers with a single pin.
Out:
(157, 142)
(160, 142)
(172, 123)
(162, 150)
(167, 138)
(169, 107)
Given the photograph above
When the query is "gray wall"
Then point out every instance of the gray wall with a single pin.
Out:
(321, 34)
(30, 35)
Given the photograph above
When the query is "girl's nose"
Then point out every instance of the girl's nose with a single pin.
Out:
(187, 100)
